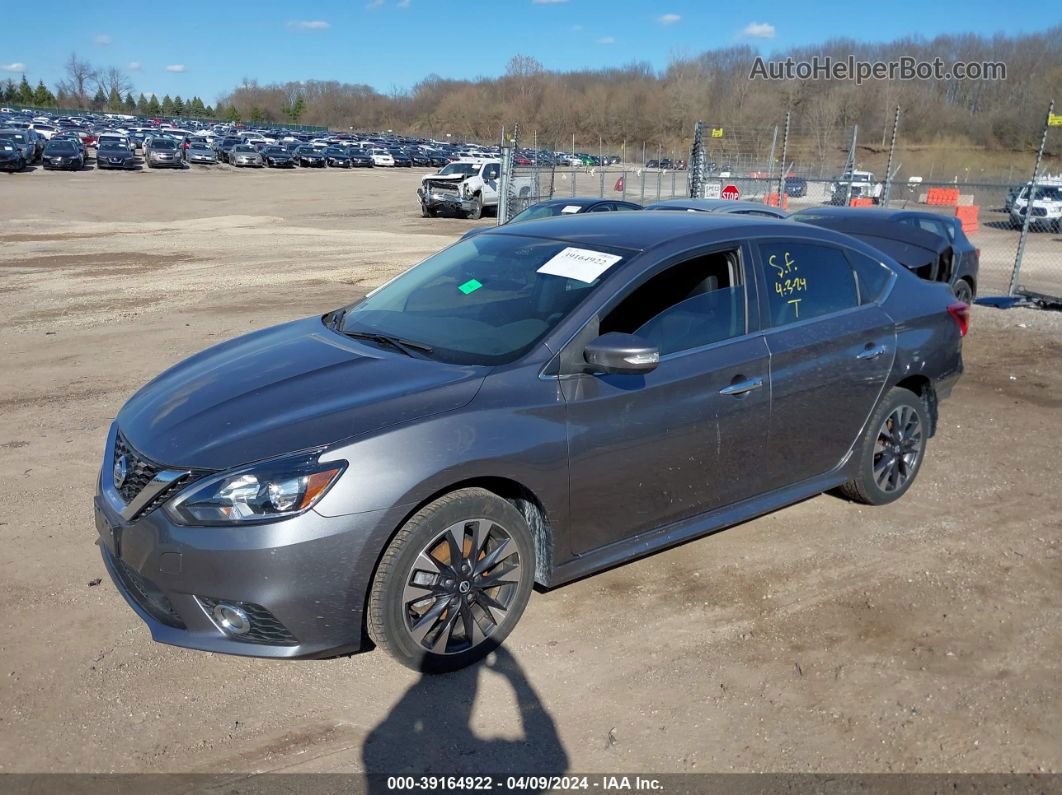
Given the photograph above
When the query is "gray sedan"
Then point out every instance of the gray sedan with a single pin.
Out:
(532, 405)
(201, 153)
(245, 155)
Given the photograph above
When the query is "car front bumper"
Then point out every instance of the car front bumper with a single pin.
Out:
(303, 581)
(444, 199)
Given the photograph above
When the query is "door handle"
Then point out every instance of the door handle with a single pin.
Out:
(742, 387)
(872, 353)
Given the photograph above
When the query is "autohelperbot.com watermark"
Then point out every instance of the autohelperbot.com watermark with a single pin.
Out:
(905, 67)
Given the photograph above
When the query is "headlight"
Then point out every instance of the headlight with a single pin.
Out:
(262, 492)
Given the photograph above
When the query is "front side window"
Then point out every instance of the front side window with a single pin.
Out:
(485, 300)
(806, 280)
(689, 305)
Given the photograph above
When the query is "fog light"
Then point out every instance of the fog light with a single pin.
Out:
(231, 619)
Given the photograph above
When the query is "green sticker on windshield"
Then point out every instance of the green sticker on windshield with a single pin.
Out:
(470, 286)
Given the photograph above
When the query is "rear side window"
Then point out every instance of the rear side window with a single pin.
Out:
(806, 280)
(873, 277)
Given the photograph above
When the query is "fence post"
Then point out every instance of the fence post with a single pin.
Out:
(892, 152)
(575, 173)
(505, 184)
(1029, 203)
(850, 168)
(641, 180)
(674, 176)
(785, 154)
(623, 177)
(770, 161)
(659, 179)
(601, 187)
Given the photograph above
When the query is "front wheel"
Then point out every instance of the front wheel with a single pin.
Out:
(477, 208)
(453, 582)
(891, 451)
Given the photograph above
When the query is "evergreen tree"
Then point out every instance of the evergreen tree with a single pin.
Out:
(114, 101)
(196, 108)
(153, 106)
(142, 104)
(25, 93)
(178, 105)
(9, 91)
(99, 100)
(130, 103)
(42, 97)
(256, 114)
(167, 106)
(296, 109)
(210, 113)
(233, 113)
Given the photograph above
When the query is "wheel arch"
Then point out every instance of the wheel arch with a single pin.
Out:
(922, 386)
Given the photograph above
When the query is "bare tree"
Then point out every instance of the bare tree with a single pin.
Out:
(79, 74)
(113, 80)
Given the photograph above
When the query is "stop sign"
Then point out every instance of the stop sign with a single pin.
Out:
(731, 192)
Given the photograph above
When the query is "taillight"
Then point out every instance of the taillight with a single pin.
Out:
(960, 313)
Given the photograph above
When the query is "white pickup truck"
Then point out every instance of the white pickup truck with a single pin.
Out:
(864, 186)
(465, 187)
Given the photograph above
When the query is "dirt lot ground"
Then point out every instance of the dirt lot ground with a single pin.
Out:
(922, 636)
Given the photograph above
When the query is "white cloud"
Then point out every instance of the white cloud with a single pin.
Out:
(668, 19)
(576, 28)
(176, 67)
(403, 3)
(135, 66)
(606, 40)
(758, 30)
(17, 66)
(102, 39)
(308, 24)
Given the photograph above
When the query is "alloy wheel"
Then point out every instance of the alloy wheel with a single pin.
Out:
(897, 448)
(461, 586)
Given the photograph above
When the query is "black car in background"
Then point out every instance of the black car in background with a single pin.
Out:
(112, 154)
(309, 157)
(225, 147)
(359, 158)
(796, 187)
(63, 154)
(11, 157)
(402, 160)
(337, 157)
(277, 157)
(932, 245)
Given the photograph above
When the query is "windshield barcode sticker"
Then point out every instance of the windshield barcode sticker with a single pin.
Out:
(571, 208)
(580, 263)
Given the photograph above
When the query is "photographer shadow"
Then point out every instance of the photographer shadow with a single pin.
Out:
(429, 733)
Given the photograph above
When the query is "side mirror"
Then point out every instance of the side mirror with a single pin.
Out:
(622, 353)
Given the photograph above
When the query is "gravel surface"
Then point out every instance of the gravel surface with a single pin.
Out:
(921, 636)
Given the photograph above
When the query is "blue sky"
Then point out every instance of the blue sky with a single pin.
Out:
(200, 48)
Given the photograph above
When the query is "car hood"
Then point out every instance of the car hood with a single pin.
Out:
(284, 389)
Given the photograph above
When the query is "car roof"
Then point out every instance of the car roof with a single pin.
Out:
(713, 206)
(643, 231)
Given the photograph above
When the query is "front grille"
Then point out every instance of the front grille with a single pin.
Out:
(265, 629)
(139, 470)
(146, 594)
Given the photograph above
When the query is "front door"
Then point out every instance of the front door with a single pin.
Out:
(647, 450)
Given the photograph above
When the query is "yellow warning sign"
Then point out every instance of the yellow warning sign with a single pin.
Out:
(717, 132)
(1054, 120)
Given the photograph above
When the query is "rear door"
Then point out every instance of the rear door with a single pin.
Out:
(831, 351)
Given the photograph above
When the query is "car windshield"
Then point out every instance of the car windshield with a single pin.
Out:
(13, 137)
(197, 145)
(306, 150)
(163, 143)
(61, 147)
(336, 150)
(244, 148)
(1048, 193)
(467, 169)
(486, 300)
(112, 146)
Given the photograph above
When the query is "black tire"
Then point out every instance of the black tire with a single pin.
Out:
(477, 208)
(963, 291)
(427, 212)
(393, 618)
(889, 437)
